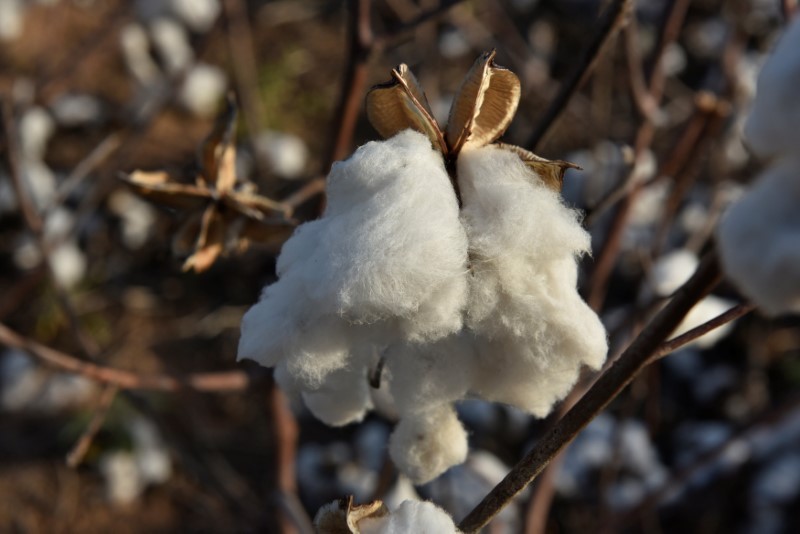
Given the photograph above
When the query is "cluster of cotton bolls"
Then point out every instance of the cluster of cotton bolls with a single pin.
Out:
(759, 237)
(477, 302)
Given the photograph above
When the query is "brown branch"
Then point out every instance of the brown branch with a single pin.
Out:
(81, 447)
(614, 19)
(674, 344)
(206, 382)
(608, 386)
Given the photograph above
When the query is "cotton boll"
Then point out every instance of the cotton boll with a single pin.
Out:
(68, 263)
(287, 154)
(672, 270)
(36, 127)
(534, 330)
(199, 15)
(705, 310)
(427, 443)
(771, 127)
(172, 42)
(203, 89)
(411, 516)
(136, 49)
(759, 239)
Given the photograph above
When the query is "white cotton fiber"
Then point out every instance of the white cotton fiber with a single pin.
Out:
(420, 517)
(759, 239)
(534, 330)
(772, 126)
(425, 444)
(343, 398)
(386, 263)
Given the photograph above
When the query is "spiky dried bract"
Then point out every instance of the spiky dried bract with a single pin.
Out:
(400, 104)
(534, 331)
(759, 237)
(484, 105)
(384, 264)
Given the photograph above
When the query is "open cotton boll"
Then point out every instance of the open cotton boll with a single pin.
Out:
(771, 127)
(759, 239)
(425, 444)
(524, 306)
(421, 517)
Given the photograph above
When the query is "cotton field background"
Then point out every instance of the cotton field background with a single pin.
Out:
(140, 218)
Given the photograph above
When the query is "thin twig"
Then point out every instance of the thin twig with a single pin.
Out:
(614, 19)
(81, 447)
(361, 43)
(674, 344)
(607, 387)
(207, 382)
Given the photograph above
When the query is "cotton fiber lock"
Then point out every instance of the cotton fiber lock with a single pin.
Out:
(461, 284)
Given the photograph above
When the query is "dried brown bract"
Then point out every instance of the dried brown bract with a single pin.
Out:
(223, 212)
(481, 112)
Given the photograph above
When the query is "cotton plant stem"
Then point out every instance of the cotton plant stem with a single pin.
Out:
(81, 447)
(674, 344)
(605, 389)
(614, 19)
(361, 43)
(206, 382)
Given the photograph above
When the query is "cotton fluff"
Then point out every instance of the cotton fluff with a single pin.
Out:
(759, 236)
(385, 264)
(421, 517)
(533, 331)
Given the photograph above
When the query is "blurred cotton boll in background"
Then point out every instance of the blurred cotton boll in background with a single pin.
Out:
(759, 236)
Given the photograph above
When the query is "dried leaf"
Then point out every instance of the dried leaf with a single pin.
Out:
(342, 516)
(550, 171)
(484, 105)
(400, 104)
(156, 187)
